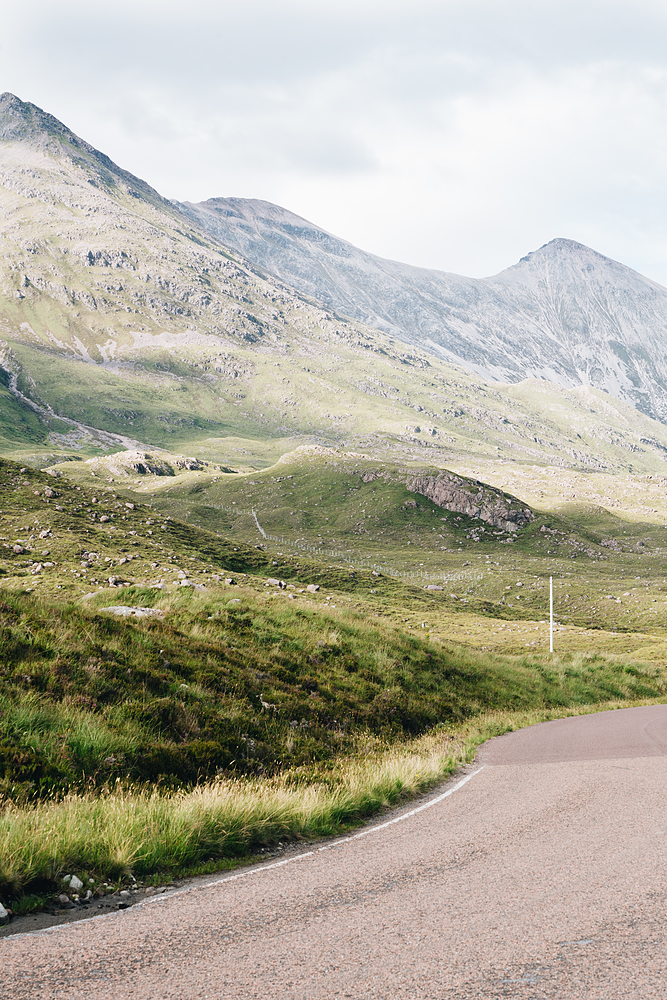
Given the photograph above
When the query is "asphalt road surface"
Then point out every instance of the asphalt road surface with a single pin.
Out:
(542, 875)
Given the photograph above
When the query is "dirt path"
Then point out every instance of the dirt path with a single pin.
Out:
(544, 875)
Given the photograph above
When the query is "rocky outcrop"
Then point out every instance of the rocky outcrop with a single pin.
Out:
(125, 463)
(463, 496)
(474, 499)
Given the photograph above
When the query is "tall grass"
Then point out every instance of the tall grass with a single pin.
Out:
(143, 832)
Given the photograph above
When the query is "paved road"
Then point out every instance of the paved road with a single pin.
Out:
(543, 876)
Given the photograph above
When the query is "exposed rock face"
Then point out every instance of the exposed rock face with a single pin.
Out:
(463, 496)
(564, 312)
(127, 462)
(453, 493)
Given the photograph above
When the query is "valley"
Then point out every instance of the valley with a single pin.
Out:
(272, 557)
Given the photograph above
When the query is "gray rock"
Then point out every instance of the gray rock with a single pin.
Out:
(433, 586)
(126, 612)
(64, 901)
(124, 894)
(312, 588)
(4, 915)
(503, 327)
(456, 494)
(74, 882)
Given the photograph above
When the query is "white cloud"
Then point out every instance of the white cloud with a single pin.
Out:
(450, 134)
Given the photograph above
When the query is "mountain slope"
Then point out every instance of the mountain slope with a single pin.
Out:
(116, 312)
(125, 325)
(564, 313)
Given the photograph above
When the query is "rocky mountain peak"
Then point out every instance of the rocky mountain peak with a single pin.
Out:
(564, 313)
(24, 124)
(564, 253)
(572, 265)
(21, 121)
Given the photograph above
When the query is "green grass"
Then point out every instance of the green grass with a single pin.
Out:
(151, 835)
(87, 698)
(256, 711)
(20, 426)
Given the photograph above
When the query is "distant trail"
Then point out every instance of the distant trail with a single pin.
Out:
(544, 877)
(259, 527)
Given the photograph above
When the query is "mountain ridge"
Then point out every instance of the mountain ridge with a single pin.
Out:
(123, 320)
(564, 312)
(23, 122)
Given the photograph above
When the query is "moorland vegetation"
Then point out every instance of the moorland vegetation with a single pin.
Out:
(236, 605)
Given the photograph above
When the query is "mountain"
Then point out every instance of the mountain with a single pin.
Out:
(122, 321)
(125, 324)
(564, 312)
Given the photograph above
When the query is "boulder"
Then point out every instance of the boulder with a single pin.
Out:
(128, 612)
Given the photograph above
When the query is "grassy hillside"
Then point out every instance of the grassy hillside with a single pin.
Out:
(181, 694)
(20, 427)
(608, 562)
(144, 658)
(215, 685)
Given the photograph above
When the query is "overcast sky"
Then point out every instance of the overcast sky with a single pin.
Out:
(457, 134)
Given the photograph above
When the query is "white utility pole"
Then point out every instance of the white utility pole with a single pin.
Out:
(551, 614)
